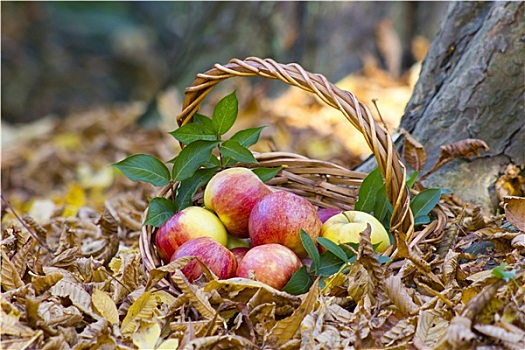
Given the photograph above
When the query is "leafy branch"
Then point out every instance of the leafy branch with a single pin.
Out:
(197, 162)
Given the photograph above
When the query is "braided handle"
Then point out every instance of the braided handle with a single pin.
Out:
(356, 112)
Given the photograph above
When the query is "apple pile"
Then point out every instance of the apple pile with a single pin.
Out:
(246, 229)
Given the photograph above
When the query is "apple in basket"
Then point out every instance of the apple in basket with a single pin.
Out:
(217, 257)
(239, 252)
(327, 213)
(273, 264)
(231, 194)
(189, 223)
(347, 226)
(279, 218)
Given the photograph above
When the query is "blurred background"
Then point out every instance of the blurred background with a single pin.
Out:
(65, 57)
(86, 84)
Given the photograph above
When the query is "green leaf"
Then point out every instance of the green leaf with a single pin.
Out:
(193, 132)
(143, 167)
(203, 120)
(159, 211)
(350, 254)
(300, 282)
(266, 174)
(234, 150)
(225, 113)
(500, 272)
(367, 192)
(383, 259)
(421, 220)
(248, 137)
(425, 201)
(412, 179)
(333, 248)
(191, 158)
(311, 249)
(329, 264)
(188, 187)
(383, 209)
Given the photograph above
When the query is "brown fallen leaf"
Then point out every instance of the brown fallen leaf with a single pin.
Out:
(460, 149)
(511, 183)
(413, 152)
(515, 211)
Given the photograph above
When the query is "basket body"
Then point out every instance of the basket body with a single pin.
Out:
(323, 183)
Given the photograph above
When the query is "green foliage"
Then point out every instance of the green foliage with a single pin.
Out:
(197, 162)
(146, 168)
(501, 273)
(159, 210)
(336, 258)
(372, 199)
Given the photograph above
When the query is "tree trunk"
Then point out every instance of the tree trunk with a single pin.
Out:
(472, 85)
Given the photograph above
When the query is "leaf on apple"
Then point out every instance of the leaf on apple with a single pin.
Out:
(188, 187)
(146, 168)
(311, 249)
(159, 211)
(299, 283)
(266, 174)
(367, 191)
(333, 248)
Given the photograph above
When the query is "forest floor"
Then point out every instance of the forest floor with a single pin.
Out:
(73, 278)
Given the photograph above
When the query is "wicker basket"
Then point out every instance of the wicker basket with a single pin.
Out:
(323, 183)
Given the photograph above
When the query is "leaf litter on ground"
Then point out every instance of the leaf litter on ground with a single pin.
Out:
(88, 288)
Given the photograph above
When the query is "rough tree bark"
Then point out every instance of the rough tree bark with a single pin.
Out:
(472, 85)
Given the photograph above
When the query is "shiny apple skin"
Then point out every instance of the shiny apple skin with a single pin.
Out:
(273, 264)
(231, 194)
(189, 223)
(279, 218)
(216, 256)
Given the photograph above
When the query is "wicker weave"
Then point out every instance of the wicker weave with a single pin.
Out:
(323, 183)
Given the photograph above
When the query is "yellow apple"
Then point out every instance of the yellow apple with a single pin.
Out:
(346, 227)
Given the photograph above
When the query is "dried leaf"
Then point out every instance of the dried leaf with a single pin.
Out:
(158, 273)
(105, 306)
(450, 265)
(515, 211)
(74, 291)
(141, 309)
(501, 334)
(461, 149)
(511, 183)
(195, 295)
(413, 152)
(10, 325)
(404, 329)
(367, 257)
(399, 295)
(74, 200)
(147, 335)
(431, 328)
(459, 332)
(43, 283)
(10, 277)
(109, 229)
(19, 260)
(286, 328)
(220, 342)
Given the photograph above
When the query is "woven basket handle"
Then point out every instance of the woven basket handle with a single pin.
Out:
(356, 112)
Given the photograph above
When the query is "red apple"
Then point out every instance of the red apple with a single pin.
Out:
(327, 213)
(279, 218)
(216, 256)
(231, 194)
(189, 223)
(273, 264)
(239, 253)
